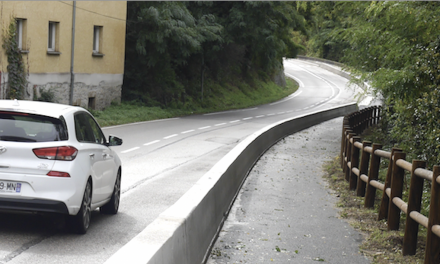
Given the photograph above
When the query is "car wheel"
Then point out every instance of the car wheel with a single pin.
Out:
(81, 221)
(113, 205)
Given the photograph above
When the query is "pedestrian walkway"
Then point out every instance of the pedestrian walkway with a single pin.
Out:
(285, 213)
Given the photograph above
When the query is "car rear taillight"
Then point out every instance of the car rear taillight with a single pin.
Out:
(58, 174)
(67, 153)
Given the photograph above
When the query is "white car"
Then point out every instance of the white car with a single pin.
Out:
(55, 158)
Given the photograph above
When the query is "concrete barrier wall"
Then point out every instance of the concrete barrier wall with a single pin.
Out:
(184, 233)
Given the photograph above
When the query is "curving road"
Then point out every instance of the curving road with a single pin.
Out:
(161, 161)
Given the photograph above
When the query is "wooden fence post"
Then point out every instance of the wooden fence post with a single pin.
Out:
(373, 174)
(349, 148)
(365, 160)
(346, 148)
(354, 163)
(383, 209)
(432, 251)
(345, 127)
(396, 191)
(378, 115)
(414, 204)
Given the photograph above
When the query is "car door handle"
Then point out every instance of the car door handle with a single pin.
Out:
(105, 155)
(92, 155)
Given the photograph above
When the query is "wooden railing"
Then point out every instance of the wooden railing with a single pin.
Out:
(360, 162)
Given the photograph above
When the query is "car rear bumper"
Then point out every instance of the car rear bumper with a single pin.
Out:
(33, 205)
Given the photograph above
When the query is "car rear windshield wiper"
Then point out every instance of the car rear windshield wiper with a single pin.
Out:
(17, 139)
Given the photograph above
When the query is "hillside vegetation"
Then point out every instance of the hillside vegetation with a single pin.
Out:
(395, 46)
(179, 53)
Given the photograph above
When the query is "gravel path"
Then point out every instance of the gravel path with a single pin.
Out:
(285, 213)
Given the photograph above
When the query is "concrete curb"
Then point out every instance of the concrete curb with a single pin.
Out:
(185, 232)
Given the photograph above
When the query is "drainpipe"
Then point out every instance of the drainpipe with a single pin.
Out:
(72, 76)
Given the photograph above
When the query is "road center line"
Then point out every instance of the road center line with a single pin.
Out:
(247, 118)
(235, 121)
(170, 136)
(259, 116)
(221, 124)
(151, 143)
(270, 114)
(128, 150)
(188, 131)
(204, 127)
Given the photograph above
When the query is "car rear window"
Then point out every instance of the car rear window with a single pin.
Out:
(23, 127)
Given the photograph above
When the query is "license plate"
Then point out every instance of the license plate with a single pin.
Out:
(10, 187)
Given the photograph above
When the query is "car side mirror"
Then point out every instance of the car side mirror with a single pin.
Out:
(114, 141)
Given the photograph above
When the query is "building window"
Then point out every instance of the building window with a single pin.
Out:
(52, 43)
(97, 41)
(20, 33)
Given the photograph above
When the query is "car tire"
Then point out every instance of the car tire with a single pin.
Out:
(81, 221)
(112, 206)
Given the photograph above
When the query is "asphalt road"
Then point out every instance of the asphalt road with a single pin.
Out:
(161, 161)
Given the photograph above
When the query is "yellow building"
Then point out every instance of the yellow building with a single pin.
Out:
(45, 33)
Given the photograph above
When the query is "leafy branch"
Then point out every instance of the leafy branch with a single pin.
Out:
(16, 69)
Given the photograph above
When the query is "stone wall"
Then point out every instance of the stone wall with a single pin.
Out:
(95, 91)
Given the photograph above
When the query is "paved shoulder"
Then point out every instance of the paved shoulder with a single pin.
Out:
(284, 212)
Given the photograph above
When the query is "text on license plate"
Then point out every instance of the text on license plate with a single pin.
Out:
(10, 187)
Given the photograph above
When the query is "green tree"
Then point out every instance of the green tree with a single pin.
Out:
(161, 38)
(395, 47)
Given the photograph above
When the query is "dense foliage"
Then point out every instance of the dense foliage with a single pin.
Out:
(396, 47)
(174, 49)
(17, 81)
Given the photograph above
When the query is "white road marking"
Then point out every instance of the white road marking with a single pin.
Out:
(128, 150)
(151, 143)
(204, 127)
(280, 113)
(247, 118)
(188, 131)
(235, 121)
(270, 114)
(259, 116)
(170, 136)
(140, 123)
(231, 111)
(220, 124)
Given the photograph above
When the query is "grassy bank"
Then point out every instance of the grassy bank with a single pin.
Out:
(225, 97)
(379, 245)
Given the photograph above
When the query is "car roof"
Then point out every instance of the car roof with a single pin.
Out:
(39, 108)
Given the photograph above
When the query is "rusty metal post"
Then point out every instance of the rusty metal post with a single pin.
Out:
(365, 159)
(373, 174)
(383, 209)
(432, 251)
(354, 163)
(414, 204)
(396, 191)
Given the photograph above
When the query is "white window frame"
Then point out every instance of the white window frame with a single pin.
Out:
(51, 41)
(96, 37)
(19, 32)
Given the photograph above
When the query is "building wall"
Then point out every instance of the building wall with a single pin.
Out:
(95, 76)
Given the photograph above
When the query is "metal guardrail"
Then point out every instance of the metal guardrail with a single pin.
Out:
(360, 163)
